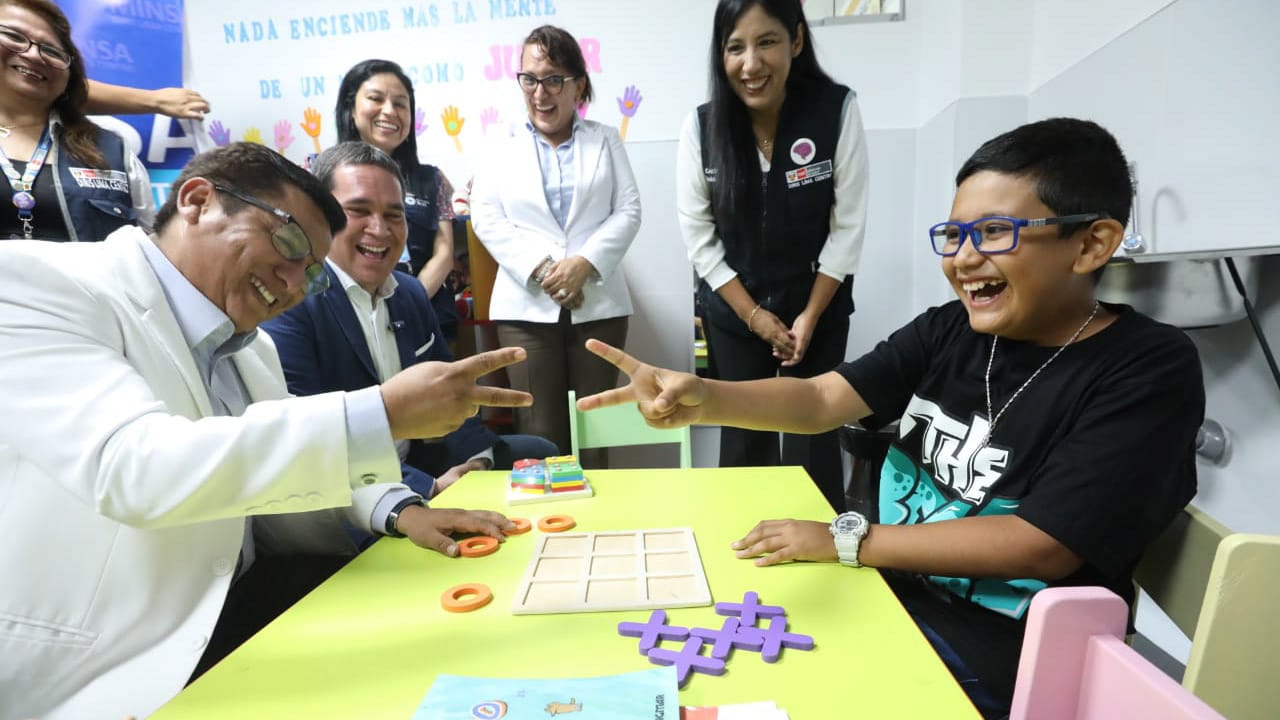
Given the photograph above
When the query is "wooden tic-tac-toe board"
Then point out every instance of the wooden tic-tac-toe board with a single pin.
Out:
(618, 570)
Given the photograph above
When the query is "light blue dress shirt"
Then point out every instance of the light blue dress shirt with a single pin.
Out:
(558, 176)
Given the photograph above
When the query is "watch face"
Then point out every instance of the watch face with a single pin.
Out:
(849, 524)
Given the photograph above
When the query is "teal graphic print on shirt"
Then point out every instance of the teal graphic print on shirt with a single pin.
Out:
(909, 495)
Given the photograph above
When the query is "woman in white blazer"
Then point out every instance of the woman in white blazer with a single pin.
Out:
(557, 206)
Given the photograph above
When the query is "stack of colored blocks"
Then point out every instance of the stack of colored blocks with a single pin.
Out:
(564, 474)
(554, 475)
(529, 476)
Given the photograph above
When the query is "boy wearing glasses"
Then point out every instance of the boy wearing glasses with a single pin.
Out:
(1044, 438)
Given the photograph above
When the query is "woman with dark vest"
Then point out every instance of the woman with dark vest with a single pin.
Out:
(92, 185)
(771, 189)
(376, 105)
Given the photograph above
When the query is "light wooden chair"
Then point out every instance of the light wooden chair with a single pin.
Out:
(483, 271)
(621, 425)
(1235, 639)
(1075, 665)
(1174, 570)
(1219, 589)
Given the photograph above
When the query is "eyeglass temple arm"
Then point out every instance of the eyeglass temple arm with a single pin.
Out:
(1065, 219)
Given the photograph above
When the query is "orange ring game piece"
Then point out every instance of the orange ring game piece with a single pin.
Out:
(522, 526)
(478, 546)
(556, 523)
(466, 597)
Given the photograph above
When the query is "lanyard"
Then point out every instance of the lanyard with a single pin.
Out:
(22, 184)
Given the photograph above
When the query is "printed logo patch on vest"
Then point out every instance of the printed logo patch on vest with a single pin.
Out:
(809, 174)
(803, 150)
(100, 179)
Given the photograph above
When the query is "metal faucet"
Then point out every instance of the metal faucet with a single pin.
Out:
(1133, 242)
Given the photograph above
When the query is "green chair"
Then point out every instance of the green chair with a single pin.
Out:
(1234, 642)
(621, 425)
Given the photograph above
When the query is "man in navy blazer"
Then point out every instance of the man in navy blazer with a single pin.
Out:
(325, 342)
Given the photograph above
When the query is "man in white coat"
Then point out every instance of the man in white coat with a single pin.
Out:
(145, 418)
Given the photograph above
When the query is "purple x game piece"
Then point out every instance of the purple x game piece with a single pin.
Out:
(686, 659)
(738, 631)
(654, 631)
(776, 637)
(730, 635)
(749, 609)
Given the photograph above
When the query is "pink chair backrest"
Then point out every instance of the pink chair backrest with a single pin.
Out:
(1076, 666)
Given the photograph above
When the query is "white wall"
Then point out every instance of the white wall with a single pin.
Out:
(1066, 31)
(971, 49)
(874, 59)
(1192, 95)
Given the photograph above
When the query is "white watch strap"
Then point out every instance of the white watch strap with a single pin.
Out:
(847, 549)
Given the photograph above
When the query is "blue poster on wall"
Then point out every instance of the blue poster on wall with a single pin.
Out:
(138, 44)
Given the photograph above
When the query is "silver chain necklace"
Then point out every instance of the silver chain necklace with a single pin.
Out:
(991, 358)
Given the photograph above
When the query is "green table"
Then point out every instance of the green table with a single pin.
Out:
(369, 642)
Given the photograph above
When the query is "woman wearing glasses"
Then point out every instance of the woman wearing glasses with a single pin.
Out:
(376, 105)
(93, 185)
(557, 206)
(771, 190)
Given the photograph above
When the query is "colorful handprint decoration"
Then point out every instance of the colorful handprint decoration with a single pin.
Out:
(627, 105)
(488, 116)
(311, 125)
(284, 136)
(219, 134)
(453, 125)
(419, 122)
(253, 135)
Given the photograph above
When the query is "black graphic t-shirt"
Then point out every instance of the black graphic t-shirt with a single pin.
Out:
(1097, 451)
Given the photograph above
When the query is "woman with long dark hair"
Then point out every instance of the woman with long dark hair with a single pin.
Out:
(376, 105)
(772, 196)
(93, 185)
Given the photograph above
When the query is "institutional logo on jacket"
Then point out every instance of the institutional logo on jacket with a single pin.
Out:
(809, 174)
(803, 150)
(100, 179)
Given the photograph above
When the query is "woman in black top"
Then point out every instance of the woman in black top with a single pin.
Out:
(772, 190)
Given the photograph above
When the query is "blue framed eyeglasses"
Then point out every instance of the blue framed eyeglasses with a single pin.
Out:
(290, 240)
(994, 234)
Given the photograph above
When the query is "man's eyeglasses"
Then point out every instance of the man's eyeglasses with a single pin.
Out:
(17, 42)
(551, 83)
(290, 240)
(993, 235)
